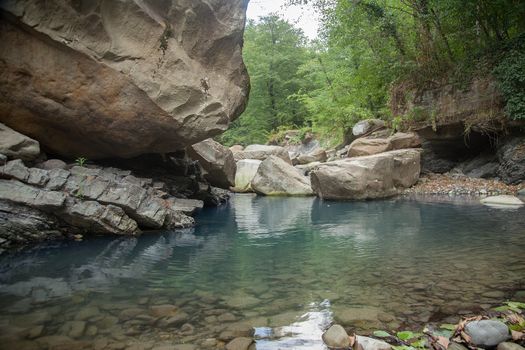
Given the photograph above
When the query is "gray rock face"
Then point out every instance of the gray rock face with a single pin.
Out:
(216, 160)
(261, 152)
(17, 146)
(487, 333)
(17, 192)
(511, 157)
(276, 177)
(246, 170)
(484, 165)
(376, 176)
(336, 337)
(407, 167)
(52, 164)
(20, 225)
(122, 78)
(93, 200)
(98, 218)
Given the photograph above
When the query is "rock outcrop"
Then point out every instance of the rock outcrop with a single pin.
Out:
(217, 162)
(17, 146)
(275, 177)
(511, 156)
(376, 176)
(261, 152)
(103, 79)
(85, 200)
(366, 146)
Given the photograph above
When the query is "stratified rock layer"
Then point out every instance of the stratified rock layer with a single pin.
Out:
(121, 78)
(83, 200)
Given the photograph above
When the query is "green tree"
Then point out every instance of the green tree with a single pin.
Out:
(273, 52)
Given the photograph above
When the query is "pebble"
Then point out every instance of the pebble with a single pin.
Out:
(443, 184)
(509, 346)
(163, 310)
(241, 344)
(209, 343)
(487, 333)
(87, 313)
(227, 317)
(336, 337)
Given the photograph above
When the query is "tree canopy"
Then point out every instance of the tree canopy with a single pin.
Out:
(368, 47)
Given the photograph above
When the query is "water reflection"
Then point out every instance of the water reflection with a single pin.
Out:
(287, 266)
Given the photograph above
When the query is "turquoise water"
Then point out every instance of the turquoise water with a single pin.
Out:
(286, 266)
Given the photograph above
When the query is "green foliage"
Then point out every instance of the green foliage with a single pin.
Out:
(366, 50)
(80, 161)
(296, 135)
(406, 335)
(166, 34)
(273, 52)
(381, 334)
(510, 72)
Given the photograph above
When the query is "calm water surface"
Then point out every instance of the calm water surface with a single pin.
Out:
(287, 266)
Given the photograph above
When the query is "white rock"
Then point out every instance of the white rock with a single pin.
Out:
(246, 170)
(502, 201)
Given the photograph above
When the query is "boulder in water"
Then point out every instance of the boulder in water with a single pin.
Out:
(275, 177)
(246, 170)
(376, 176)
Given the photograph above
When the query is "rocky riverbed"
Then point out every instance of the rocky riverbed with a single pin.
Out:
(450, 184)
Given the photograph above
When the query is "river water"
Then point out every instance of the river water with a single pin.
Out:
(286, 266)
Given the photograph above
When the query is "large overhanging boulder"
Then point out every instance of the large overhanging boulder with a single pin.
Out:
(121, 78)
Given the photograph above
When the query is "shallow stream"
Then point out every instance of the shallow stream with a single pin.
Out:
(286, 266)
